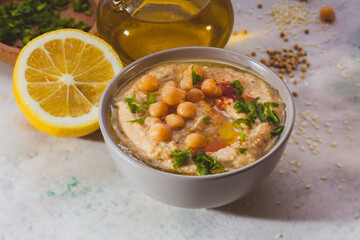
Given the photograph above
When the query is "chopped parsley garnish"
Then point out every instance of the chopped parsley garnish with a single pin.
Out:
(80, 5)
(181, 157)
(242, 150)
(195, 77)
(240, 106)
(140, 120)
(135, 108)
(277, 131)
(271, 114)
(205, 164)
(238, 86)
(242, 137)
(260, 112)
(255, 110)
(28, 19)
(206, 119)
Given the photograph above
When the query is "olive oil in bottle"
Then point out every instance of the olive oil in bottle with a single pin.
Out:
(136, 28)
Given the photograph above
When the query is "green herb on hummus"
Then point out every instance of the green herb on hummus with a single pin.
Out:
(242, 137)
(206, 119)
(277, 131)
(140, 120)
(135, 108)
(271, 114)
(238, 86)
(242, 150)
(195, 77)
(181, 157)
(205, 164)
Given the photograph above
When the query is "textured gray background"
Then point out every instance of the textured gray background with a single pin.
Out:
(55, 188)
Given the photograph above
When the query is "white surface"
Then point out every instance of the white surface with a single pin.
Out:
(35, 169)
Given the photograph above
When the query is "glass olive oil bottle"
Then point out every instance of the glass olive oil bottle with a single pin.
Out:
(136, 28)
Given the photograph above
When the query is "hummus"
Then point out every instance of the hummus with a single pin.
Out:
(234, 119)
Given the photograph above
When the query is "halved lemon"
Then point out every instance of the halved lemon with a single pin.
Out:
(59, 78)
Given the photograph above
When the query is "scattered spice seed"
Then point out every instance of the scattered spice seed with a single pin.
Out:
(323, 178)
(302, 75)
(253, 53)
(286, 39)
(307, 187)
(306, 31)
(303, 68)
(282, 34)
(295, 94)
(259, 5)
(327, 14)
(333, 144)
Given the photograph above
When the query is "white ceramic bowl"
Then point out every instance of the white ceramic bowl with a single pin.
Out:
(207, 191)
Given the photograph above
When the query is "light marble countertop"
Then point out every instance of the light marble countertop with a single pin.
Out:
(55, 188)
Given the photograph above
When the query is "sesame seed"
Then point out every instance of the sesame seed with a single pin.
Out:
(349, 128)
(323, 178)
(339, 165)
(278, 236)
(352, 138)
(277, 202)
(333, 144)
(356, 216)
(327, 124)
(297, 206)
(340, 187)
(330, 130)
(307, 187)
(294, 170)
(281, 172)
(248, 204)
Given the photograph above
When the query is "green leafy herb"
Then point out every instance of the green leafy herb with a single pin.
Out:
(238, 86)
(270, 113)
(140, 120)
(195, 77)
(242, 150)
(181, 157)
(28, 19)
(129, 101)
(151, 100)
(241, 120)
(205, 164)
(242, 137)
(241, 106)
(260, 112)
(135, 108)
(252, 104)
(277, 131)
(80, 5)
(206, 119)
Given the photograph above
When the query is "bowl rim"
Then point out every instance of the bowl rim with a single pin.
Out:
(103, 117)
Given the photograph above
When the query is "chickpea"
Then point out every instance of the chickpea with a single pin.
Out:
(158, 109)
(169, 84)
(327, 14)
(186, 83)
(160, 132)
(174, 121)
(195, 95)
(147, 83)
(173, 96)
(211, 88)
(186, 110)
(149, 121)
(195, 140)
